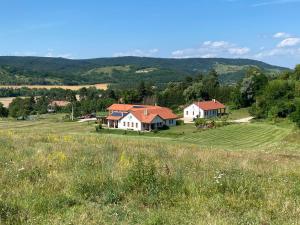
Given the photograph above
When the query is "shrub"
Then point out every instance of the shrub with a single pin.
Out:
(99, 127)
(295, 116)
(200, 123)
(3, 111)
(179, 122)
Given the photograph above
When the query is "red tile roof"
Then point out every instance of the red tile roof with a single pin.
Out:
(210, 105)
(144, 113)
(142, 117)
(120, 107)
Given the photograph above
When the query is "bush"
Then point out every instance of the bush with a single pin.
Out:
(3, 111)
(200, 123)
(99, 127)
(179, 122)
(295, 116)
(164, 127)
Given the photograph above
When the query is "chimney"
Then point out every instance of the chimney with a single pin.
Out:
(146, 112)
(214, 100)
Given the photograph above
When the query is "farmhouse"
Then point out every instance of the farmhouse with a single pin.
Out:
(139, 117)
(204, 109)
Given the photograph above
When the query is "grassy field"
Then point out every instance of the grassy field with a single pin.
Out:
(67, 87)
(54, 172)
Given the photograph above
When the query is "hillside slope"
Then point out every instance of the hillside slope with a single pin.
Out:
(42, 70)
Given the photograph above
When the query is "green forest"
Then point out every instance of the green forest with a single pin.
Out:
(122, 71)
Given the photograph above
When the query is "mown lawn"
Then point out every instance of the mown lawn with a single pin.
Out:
(54, 172)
(239, 114)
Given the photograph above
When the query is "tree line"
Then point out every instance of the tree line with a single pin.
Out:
(267, 97)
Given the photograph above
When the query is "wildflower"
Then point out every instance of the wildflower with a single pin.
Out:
(21, 169)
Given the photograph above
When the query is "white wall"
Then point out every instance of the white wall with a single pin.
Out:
(130, 119)
(193, 111)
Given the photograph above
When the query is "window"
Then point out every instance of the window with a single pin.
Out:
(136, 125)
(132, 124)
(193, 113)
(128, 124)
(187, 112)
(124, 124)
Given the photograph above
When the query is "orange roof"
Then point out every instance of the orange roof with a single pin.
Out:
(210, 105)
(141, 116)
(120, 107)
(147, 115)
(144, 113)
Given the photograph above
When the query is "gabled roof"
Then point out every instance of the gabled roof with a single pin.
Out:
(210, 105)
(144, 113)
(142, 117)
(148, 114)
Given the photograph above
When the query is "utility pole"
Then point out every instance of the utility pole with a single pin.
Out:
(72, 114)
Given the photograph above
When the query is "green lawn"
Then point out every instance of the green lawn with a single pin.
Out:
(259, 135)
(238, 114)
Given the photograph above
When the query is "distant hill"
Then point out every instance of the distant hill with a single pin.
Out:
(121, 70)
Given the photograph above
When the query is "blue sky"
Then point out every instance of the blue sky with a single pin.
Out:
(266, 30)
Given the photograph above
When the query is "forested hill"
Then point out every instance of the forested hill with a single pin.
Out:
(121, 70)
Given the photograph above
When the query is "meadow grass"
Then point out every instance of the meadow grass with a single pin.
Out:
(65, 173)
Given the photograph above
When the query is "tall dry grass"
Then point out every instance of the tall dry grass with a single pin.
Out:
(52, 178)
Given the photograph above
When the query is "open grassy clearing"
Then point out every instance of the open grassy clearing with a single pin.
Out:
(109, 69)
(54, 172)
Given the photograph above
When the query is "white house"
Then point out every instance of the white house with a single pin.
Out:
(139, 117)
(204, 109)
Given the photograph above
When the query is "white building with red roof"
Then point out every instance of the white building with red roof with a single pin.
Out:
(204, 109)
(139, 117)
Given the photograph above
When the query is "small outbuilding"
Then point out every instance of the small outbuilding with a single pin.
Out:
(204, 109)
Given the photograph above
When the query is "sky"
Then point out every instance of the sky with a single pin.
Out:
(266, 30)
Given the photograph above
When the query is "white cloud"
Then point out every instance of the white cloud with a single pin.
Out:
(239, 51)
(278, 52)
(289, 42)
(138, 52)
(210, 49)
(281, 35)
